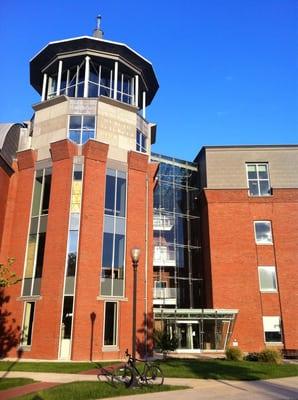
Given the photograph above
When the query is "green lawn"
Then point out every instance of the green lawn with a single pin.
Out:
(93, 390)
(7, 383)
(59, 367)
(176, 368)
(223, 369)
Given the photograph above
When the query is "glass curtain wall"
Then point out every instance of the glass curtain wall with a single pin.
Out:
(37, 233)
(113, 258)
(71, 260)
(177, 251)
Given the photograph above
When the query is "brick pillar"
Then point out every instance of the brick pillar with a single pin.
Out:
(46, 330)
(90, 255)
(137, 201)
(18, 224)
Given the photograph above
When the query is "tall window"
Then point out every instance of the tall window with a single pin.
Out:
(272, 329)
(81, 128)
(258, 179)
(37, 233)
(28, 324)
(113, 258)
(263, 232)
(141, 141)
(267, 279)
(110, 329)
(125, 89)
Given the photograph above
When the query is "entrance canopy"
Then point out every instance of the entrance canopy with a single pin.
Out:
(197, 329)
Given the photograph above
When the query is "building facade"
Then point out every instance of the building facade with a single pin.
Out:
(80, 188)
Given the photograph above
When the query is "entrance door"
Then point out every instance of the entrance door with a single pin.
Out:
(188, 335)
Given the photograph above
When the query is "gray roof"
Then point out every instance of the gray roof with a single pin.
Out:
(9, 141)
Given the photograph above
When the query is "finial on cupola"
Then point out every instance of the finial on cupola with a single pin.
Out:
(98, 33)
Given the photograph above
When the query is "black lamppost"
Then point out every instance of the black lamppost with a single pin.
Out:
(135, 255)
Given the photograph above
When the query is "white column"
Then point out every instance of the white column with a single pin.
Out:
(137, 90)
(144, 105)
(59, 77)
(44, 87)
(115, 79)
(87, 72)
(67, 82)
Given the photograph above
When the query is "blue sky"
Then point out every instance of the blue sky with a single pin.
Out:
(227, 69)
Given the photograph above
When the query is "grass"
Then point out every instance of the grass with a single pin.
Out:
(223, 369)
(176, 368)
(93, 390)
(7, 383)
(58, 367)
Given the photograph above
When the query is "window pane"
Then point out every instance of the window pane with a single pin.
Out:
(263, 173)
(110, 195)
(75, 122)
(92, 90)
(264, 188)
(75, 136)
(67, 317)
(88, 122)
(110, 334)
(263, 232)
(253, 188)
(119, 251)
(267, 278)
(121, 197)
(107, 258)
(40, 255)
(252, 171)
(73, 241)
(46, 194)
(28, 324)
(37, 193)
(87, 135)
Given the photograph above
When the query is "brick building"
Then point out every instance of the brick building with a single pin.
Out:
(80, 188)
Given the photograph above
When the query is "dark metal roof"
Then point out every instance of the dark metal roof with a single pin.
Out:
(49, 53)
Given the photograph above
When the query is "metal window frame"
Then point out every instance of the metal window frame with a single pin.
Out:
(255, 234)
(107, 347)
(258, 179)
(272, 267)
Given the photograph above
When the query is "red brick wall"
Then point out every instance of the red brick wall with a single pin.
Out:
(46, 329)
(6, 178)
(19, 223)
(90, 255)
(234, 261)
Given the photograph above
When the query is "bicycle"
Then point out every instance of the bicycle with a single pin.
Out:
(129, 374)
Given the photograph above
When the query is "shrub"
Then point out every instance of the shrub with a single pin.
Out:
(164, 342)
(271, 356)
(234, 354)
(252, 357)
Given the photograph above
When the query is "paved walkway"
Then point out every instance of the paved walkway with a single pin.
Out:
(26, 389)
(207, 389)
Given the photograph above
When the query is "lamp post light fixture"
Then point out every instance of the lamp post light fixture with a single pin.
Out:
(135, 256)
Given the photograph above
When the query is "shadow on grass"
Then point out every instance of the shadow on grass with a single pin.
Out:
(223, 369)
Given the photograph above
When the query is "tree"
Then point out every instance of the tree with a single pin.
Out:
(7, 276)
(164, 342)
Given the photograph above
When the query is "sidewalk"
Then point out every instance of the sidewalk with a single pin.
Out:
(207, 389)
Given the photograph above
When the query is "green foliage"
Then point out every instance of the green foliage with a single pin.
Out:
(7, 276)
(252, 357)
(234, 354)
(164, 342)
(270, 356)
(94, 390)
(7, 383)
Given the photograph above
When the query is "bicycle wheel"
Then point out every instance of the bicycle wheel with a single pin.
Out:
(154, 375)
(123, 375)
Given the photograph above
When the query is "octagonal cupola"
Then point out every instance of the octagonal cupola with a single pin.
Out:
(90, 67)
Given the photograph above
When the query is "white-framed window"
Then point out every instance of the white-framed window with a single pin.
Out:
(267, 279)
(81, 128)
(258, 179)
(263, 232)
(28, 324)
(272, 329)
(111, 323)
(160, 284)
(141, 141)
